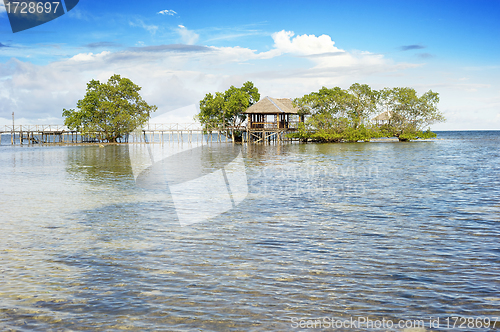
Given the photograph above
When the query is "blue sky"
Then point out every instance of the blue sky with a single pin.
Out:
(180, 50)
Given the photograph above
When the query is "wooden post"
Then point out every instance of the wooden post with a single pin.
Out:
(13, 135)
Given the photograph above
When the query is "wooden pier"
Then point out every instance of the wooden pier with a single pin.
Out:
(151, 133)
(35, 134)
(60, 134)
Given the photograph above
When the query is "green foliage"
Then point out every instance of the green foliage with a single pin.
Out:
(211, 111)
(362, 103)
(409, 113)
(301, 133)
(326, 100)
(324, 127)
(336, 115)
(413, 135)
(224, 110)
(356, 104)
(109, 110)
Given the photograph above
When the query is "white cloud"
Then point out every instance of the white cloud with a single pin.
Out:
(88, 56)
(187, 36)
(234, 54)
(321, 50)
(304, 44)
(139, 23)
(37, 94)
(318, 50)
(2, 8)
(168, 12)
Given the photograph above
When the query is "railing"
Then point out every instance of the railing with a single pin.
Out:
(172, 126)
(274, 125)
(62, 128)
(34, 128)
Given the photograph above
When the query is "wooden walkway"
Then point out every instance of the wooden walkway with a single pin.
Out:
(154, 132)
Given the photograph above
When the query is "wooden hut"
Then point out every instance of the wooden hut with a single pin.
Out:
(382, 118)
(271, 118)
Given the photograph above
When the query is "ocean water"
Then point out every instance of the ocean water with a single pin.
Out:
(406, 233)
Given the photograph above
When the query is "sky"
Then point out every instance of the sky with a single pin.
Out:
(178, 51)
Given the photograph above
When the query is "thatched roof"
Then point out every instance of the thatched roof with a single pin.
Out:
(385, 116)
(270, 105)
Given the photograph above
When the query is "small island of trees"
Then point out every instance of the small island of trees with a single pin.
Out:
(335, 114)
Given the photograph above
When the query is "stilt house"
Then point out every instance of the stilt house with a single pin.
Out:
(271, 118)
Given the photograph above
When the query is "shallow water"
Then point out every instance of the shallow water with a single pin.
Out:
(394, 231)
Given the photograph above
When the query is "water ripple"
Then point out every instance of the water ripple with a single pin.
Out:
(380, 230)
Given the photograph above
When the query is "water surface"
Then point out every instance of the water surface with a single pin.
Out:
(382, 230)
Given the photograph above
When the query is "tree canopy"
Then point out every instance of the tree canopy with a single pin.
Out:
(409, 115)
(109, 110)
(337, 114)
(223, 111)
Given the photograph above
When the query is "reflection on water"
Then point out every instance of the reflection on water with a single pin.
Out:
(99, 165)
(379, 230)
